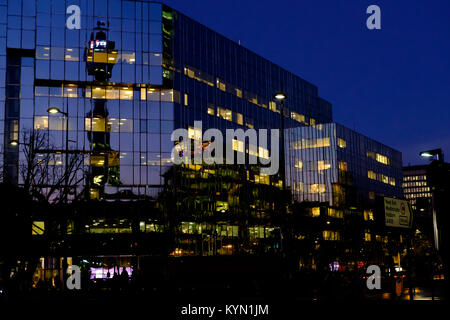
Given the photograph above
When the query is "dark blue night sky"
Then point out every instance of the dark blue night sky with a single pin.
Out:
(392, 85)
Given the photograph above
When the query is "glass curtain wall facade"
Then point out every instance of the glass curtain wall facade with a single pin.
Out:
(332, 164)
(165, 72)
(117, 87)
(134, 72)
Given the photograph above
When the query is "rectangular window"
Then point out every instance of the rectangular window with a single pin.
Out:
(371, 175)
(329, 235)
(335, 213)
(186, 102)
(341, 143)
(322, 165)
(41, 123)
(382, 159)
(315, 212)
(224, 113)
(211, 111)
(273, 106)
(311, 143)
(317, 188)
(368, 215)
(239, 118)
(392, 181)
(298, 117)
(221, 85)
(342, 165)
(38, 228)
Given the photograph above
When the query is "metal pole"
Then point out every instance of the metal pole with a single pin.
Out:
(67, 156)
(283, 172)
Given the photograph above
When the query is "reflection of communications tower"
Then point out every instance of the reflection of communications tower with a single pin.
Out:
(100, 58)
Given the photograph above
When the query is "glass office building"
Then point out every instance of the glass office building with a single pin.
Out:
(162, 71)
(90, 108)
(332, 164)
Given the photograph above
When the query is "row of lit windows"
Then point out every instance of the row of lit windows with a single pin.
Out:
(314, 188)
(110, 93)
(417, 195)
(320, 165)
(378, 238)
(203, 77)
(414, 184)
(225, 230)
(380, 177)
(415, 190)
(238, 145)
(311, 143)
(329, 235)
(414, 178)
(73, 54)
(378, 157)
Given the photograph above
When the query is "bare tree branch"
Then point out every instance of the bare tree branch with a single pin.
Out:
(43, 169)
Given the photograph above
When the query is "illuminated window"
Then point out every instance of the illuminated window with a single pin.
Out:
(371, 175)
(40, 122)
(315, 212)
(321, 165)
(195, 133)
(239, 118)
(42, 53)
(382, 159)
(311, 143)
(239, 93)
(367, 237)
(392, 181)
(335, 213)
(95, 124)
(273, 106)
(317, 188)
(368, 215)
(128, 57)
(342, 166)
(71, 91)
(211, 111)
(238, 145)
(298, 164)
(371, 195)
(71, 54)
(224, 113)
(185, 99)
(313, 122)
(297, 117)
(329, 235)
(341, 143)
(221, 85)
(38, 228)
(384, 179)
(262, 179)
(113, 93)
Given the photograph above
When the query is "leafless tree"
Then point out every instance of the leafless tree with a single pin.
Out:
(43, 172)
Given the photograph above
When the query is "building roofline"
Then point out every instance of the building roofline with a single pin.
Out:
(239, 45)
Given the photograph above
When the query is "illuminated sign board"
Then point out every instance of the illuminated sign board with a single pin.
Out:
(98, 44)
(397, 213)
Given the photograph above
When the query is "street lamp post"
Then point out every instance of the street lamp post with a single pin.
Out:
(281, 97)
(440, 157)
(54, 110)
